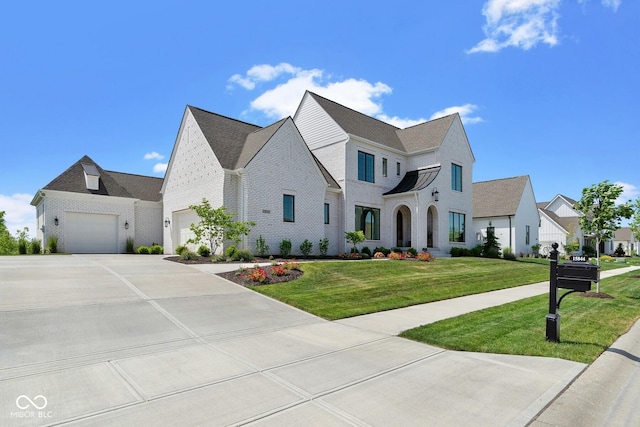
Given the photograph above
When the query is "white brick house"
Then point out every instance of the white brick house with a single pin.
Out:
(509, 206)
(91, 210)
(328, 170)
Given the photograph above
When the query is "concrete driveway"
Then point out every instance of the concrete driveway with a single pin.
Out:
(131, 340)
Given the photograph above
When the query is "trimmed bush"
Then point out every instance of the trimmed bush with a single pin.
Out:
(285, 248)
(156, 249)
(306, 247)
(204, 251)
(508, 255)
(381, 249)
(323, 245)
(180, 249)
(129, 246)
(244, 255)
(52, 244)
(365, 250)
(396, 255)
(231, 252)
(143, 250)
(188, 255)
(412, 251)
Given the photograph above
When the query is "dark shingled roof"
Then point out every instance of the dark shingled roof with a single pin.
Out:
(415, 180)
(415, 138)
(115, 184)
(499, 197)
(568, 222)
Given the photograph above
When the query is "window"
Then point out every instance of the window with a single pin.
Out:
(365, 167)
(456, 227)
(288, 208)
(456, 177)
(384, 167)
(368, 220)
(326, 213)
(398, 168)
(526, 235)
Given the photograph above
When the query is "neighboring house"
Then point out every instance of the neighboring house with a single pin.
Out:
(91, 210)
(629, 242)
(265, 175)
(509, 206)
(559, 223)
(328, 170)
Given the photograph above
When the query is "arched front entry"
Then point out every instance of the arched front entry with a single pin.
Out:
(432, 229)
(403, 227)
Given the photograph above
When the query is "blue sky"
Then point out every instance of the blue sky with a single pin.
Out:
(546, 88)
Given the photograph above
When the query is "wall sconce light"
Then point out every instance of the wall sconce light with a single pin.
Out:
(126, 225)
(55, 221)
(435, 194)
(166, 222)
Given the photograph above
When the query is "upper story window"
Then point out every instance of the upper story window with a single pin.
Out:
(326, 213)
(398, 168)
(288, 208)
(365, 167)
(384, 167)
(456, 177)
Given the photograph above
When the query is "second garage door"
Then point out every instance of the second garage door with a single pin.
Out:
(91, 233)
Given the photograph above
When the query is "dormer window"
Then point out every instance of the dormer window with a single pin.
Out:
(91, 177)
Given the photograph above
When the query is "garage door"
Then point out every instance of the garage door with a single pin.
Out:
(91, 233)
(183, 221)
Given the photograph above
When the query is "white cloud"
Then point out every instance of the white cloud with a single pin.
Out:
(153, 155)
(523, 23)
(19, 213)
(357, 94)
(466, 113)
(518, 23)
(160, 167)
(629, 192)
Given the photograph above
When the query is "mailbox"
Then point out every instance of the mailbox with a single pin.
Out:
(577, 276)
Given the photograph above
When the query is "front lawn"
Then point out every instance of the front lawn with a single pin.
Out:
(588, 326)
(335, 290)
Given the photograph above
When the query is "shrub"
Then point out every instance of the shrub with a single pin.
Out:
(619, 250)
(589, 250)
(382, 249)
(605, 258)
(365, 256)
(424, 256)
(261, 246)
(508, 255)
(285, 248)
(278, 270)
(129, 246)
(379, 255)
(492, 252)
(396, 255)
(323, 245)
(52, 244)
(257, 274)
(291, 265)
(36, 246)
(188, 255)
(22, 246)
(180, 249)
(396, 250)
(456, 252)
(412, 251)
(156, 249)
(231, 252)
(365, 250)
(204, 251)
(476, 251)
(243, 255)
(143, 250)
(306, 247)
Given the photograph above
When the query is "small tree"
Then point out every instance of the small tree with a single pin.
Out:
(217, 225)
(323, 245)
(354, 237)
(635, 220)
(491, 247)
(306, 247)
(600, 214)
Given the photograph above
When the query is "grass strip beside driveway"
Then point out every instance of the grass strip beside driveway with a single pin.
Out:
(335, 290)
(588, 326)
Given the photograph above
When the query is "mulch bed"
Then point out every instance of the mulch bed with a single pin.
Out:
(240, 278)
(595, 295)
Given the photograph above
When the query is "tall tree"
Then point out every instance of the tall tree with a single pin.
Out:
(217, 225)
(600, 215)
(635, 220)
(7, 242)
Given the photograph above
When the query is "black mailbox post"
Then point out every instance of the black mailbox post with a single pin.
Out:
(575, 276)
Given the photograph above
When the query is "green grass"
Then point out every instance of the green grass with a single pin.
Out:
(588, 326)
(336, 290)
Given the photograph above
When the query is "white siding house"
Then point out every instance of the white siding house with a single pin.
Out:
(92, 210)
(625, 236)
(508, 205)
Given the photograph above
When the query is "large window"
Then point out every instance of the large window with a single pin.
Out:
(384, 167)
(527, 234)
(288, 208)
(326, 213)
(456, 177)
(456, 227)
(398, 168)
(365, 167)
(368, 220)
